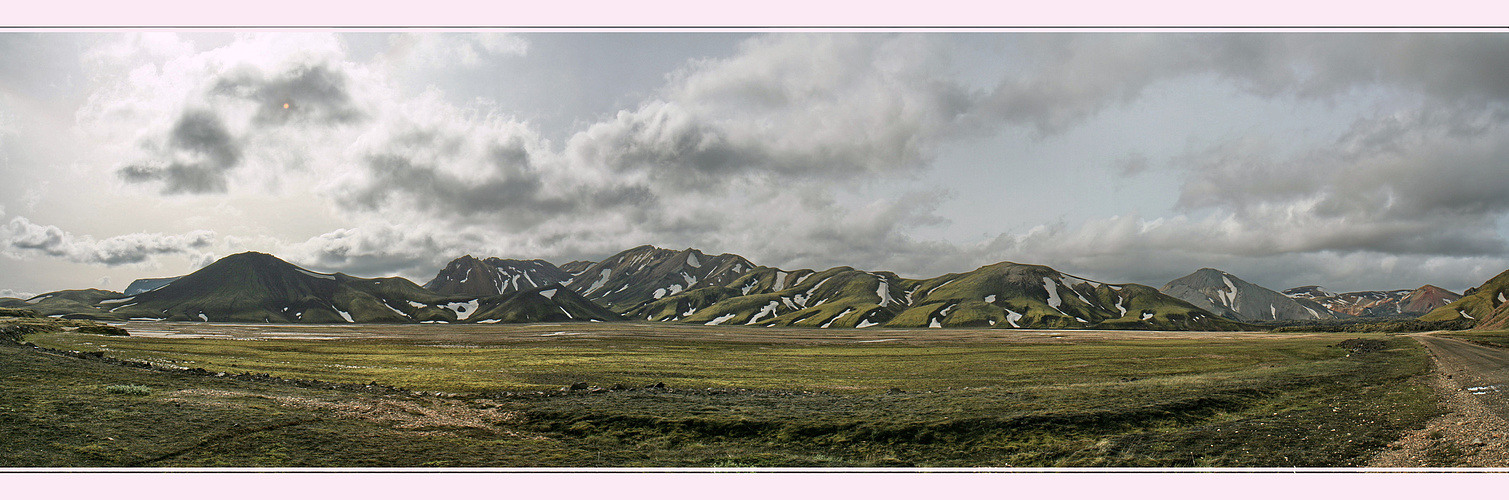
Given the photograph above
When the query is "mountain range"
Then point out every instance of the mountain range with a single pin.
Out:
(653, 284)
(689, 286)
(1377, 303)
(260, 288)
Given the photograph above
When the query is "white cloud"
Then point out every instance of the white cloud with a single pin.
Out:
(441, 50)
(749, 153)
(23, 239)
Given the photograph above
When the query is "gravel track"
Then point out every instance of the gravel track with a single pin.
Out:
(1472, 383)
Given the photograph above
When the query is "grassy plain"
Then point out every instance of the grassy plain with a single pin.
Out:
(734, 397)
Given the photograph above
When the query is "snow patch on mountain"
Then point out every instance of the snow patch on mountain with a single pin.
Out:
(934, 289)
(1464, 314)
(603, 279)
(659, 292)
(720, 319)
(128, 299)
(314, 274)
(1228, 297)
(344, 315)
(390, 308)
(884, 292)
(835, 318)
(463, 310)
(1012, 316)
(1053, 300)
(1071, 289)
(549, 294)
(780, 281)
(1119, 308)
(691, 260)
(990, 299)
(1147, 316)
(935, 324)
(767, 309)
(819, 284)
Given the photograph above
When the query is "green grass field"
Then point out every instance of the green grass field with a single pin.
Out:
(735, 397)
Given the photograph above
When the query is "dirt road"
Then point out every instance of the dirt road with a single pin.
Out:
(1482, 372)
(1472, 383)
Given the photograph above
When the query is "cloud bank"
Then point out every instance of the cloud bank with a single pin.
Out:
(790, 151)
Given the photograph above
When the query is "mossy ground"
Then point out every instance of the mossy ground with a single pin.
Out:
(962, 401)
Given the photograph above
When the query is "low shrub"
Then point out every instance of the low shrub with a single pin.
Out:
(104, 330)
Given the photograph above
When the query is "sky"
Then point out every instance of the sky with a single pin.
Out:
(1351, 160)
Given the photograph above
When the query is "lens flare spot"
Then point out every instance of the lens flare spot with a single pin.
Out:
(285, 105)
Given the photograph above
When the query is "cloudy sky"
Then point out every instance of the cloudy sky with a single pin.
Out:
(1356, 161)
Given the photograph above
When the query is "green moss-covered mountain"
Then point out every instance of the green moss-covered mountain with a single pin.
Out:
(644, 283)
(68, 304)
(1004, 295)
(1484, 303)
(643, 274)
(259, 288)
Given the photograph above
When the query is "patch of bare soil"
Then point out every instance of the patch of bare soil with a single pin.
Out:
(428, 415)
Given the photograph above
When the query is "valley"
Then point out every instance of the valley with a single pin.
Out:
(663, 358)
(698, 396)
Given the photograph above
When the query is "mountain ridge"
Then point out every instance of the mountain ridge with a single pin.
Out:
(260, 288)
(1228, 296)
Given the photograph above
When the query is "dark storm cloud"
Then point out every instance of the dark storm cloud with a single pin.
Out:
(805, 106)
(383, 251)
(1067, 78)
(200, 154)
(506, 189)
(316, 93)
(22, 237)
